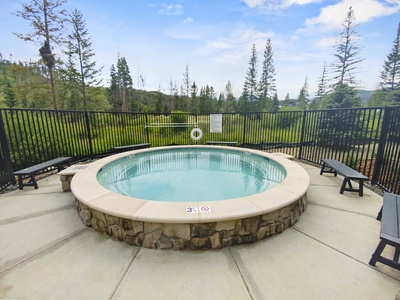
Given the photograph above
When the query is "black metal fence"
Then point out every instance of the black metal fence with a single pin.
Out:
(367, 139)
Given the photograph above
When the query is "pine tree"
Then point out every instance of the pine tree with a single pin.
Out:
(322, 85)
(322, 88)
(47, 20)
(302, 100)
(195, 107)
(267, 87)
(275, 102)
(220, 103)
(121, 83)
(346, 53)
(80, 55)
(391, 67)
(9, 95)
(286, 102)
(186, 82)
(249, 95)
(112, 91)
(343, 96)
(230, 102)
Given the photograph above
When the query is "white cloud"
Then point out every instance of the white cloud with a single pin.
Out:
(235, 48)
(188, 20)
(331, 17)
(325, 42)
(288, 3)
(254, 3)
(171, 10)
(277, 4)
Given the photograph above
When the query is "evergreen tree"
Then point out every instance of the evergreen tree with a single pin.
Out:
(9, 95)
(124, 83)
(343, 96)
(286, 102)
(112, 92)
(171, 99)
(120, 84)
(378, 98)
(80, 55)
(322, 88)
(275, 103)
(220, 103)
(393, 97)
(186, 82)
(346, 53)
(46, 18)
(302, 100)
(195, 107)
(391, 67)
(322, 85)
(267, 87)
(249, 95)
(230, 102)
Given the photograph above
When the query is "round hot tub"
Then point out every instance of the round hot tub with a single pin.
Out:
(191, 197)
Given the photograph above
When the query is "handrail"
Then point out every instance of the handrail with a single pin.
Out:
(170, 125)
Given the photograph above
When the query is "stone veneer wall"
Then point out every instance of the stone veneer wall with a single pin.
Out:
(196, 236)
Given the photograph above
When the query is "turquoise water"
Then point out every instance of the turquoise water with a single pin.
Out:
(191, 174)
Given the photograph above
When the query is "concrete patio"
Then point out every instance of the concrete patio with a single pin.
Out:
(47, 253)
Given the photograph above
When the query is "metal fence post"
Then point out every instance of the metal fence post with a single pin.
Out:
(5, 150)
(303, 126)
(147, 128)
(382, 144)
(87, 122)
(244, 129)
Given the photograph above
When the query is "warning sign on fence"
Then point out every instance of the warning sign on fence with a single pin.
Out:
(216, 123)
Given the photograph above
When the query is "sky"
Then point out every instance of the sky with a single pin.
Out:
(159, 38)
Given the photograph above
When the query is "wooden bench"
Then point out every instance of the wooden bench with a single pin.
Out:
(46, 166)
(221, 143)
(130, 147)
(390, 231)
(335, 167)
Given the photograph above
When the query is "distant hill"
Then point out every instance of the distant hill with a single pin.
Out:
(364, 95)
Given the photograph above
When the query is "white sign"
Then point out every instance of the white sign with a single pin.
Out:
(192, 209)
(205, 209)
(216, 123)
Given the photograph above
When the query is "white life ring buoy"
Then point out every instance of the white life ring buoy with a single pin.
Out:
(199, 132)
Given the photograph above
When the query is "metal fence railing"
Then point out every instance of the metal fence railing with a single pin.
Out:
(367, 139)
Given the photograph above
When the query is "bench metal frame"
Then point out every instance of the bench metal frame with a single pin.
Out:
(390, 232)
(334, 166)
(32, 171)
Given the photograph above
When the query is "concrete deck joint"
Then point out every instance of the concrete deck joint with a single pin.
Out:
(35, 215)
(241, 275)
(124, 275)
(36, 254)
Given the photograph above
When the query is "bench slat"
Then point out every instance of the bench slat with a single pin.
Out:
(130, 147)
(390, 226)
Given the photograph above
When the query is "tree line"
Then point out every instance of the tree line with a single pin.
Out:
(66, 75)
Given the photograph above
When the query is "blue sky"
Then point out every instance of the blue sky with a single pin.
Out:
(214, 38)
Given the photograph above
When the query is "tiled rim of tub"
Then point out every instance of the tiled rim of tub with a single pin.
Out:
(154, 224)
